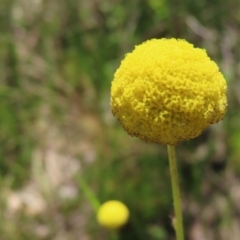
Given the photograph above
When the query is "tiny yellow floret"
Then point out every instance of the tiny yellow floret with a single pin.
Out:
(113, 214)
(167, 91)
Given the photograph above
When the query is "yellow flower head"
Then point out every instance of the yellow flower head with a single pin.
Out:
(113, 214)
(167, 91)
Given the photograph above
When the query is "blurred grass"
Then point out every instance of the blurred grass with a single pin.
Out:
(57, 60)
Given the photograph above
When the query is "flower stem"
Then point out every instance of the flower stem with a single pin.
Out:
(114, 235)
(176, 193)
(87, 191)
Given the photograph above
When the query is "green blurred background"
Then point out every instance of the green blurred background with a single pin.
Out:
(57, 61)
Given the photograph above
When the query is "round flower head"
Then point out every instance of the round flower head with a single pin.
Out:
(167, 91)
(113, 214)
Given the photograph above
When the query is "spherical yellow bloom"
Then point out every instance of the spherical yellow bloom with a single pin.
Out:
(167, 91)
(113, 214)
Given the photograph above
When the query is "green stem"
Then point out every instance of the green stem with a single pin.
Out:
(114, 235)
(87, 191)
(176, 193)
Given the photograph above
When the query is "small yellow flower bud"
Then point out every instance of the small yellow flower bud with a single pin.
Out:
(113, 214)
